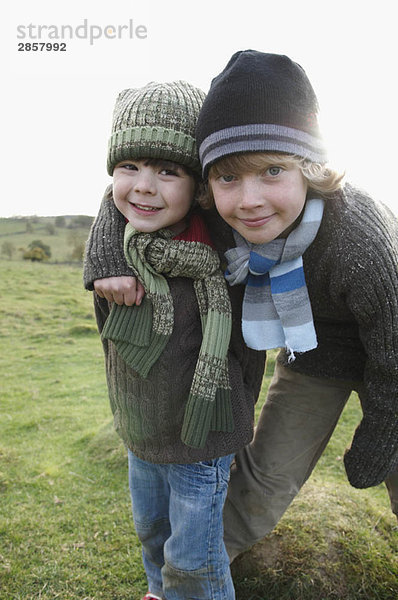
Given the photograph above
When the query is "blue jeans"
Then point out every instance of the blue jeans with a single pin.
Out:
(178, 516)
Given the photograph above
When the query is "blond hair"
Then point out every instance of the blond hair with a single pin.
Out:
(319, 177)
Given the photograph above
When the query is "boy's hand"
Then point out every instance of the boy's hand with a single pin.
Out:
(122, 290)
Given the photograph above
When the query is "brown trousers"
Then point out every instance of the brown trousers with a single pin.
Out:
(294, 427)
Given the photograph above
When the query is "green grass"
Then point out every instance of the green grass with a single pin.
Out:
(65, 523)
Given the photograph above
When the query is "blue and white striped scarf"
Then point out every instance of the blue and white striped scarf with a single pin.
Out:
(276, 310)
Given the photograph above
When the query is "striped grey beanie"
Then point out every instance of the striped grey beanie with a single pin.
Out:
(156, 121)
(259, 103)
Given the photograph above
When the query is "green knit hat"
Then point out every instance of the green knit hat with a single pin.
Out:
(156, 121)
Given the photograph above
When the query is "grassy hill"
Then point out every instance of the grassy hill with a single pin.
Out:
(66, 530)
(65, 236)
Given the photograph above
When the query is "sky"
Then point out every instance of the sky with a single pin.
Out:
(56, 106)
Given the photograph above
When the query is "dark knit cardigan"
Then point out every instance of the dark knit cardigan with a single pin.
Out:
(351, 271)
(352, 278)
(148, 413)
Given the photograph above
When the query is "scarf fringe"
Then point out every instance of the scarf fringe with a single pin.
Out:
(202, 416)
(131, 322)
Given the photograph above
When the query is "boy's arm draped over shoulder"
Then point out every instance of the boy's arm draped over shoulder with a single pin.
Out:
(104, 256)
(370, 281)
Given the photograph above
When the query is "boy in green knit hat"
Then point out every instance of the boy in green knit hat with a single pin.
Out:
(181, 386)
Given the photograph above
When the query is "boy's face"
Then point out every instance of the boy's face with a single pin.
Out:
(153, 195)
(261, 205)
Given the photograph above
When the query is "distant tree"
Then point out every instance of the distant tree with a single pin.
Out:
(78, 251)
(60, 221)
(35, 254)
(77, 241)
(29, 227)
(8, 249)
(39, 244)
(50, 228)
(73, 237)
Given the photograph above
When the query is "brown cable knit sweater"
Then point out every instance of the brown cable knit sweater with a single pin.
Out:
(148, 413)
(351, 271)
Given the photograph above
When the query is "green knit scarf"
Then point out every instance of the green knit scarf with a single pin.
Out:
(140, 333)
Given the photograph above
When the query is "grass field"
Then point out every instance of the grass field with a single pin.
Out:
(65, 525)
